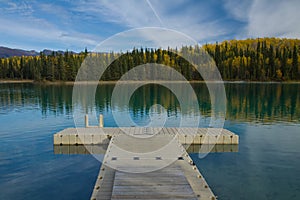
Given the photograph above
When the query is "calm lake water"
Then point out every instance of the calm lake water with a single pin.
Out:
(265, 116)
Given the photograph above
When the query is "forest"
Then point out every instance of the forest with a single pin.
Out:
(261, 59)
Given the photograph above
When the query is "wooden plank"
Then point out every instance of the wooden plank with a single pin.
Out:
(168, 183)
(104, 184)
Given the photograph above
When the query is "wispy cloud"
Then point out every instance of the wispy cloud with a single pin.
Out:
(132, 13)
(77, 24)
(28, 23)
(197, 20)
(58, 12)
(276, 18)
(39, 31)
(23, 8)
(187, 18)
(237, 9)
(265, 18)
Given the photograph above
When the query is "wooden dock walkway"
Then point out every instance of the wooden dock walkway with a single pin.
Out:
(139, 164)
(155, 175)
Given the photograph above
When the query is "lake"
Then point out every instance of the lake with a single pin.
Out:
(265, 116)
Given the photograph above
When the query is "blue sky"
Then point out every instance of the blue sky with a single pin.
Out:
(74, 25)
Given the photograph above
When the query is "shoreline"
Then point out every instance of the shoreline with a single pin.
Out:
(16, 81)
(138, 81)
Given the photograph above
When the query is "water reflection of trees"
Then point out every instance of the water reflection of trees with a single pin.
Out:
(263, 102)
(245, 102)
(51, 99)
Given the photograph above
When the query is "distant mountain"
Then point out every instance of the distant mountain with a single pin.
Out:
(48, 52)
(6, 52)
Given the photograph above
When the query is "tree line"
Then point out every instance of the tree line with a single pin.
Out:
(266, 59)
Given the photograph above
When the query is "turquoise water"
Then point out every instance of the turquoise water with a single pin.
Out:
(265, 116)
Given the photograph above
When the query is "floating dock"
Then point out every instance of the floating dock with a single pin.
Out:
(147, 163)
(100, 135)
(101, 148)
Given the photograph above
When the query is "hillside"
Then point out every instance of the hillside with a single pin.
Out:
(262, 59)
(6, 52)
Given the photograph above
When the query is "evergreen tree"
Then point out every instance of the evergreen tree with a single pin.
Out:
(295, 67)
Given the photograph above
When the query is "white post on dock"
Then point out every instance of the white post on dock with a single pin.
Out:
(101, 121)
(86, 119)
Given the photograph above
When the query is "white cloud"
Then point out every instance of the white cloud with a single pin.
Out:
(238, 9)
(265, 18)
(274, 19)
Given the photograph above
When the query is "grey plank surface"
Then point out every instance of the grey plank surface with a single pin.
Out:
(167, 183)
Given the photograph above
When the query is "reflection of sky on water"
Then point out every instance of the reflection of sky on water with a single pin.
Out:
(266, 166)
